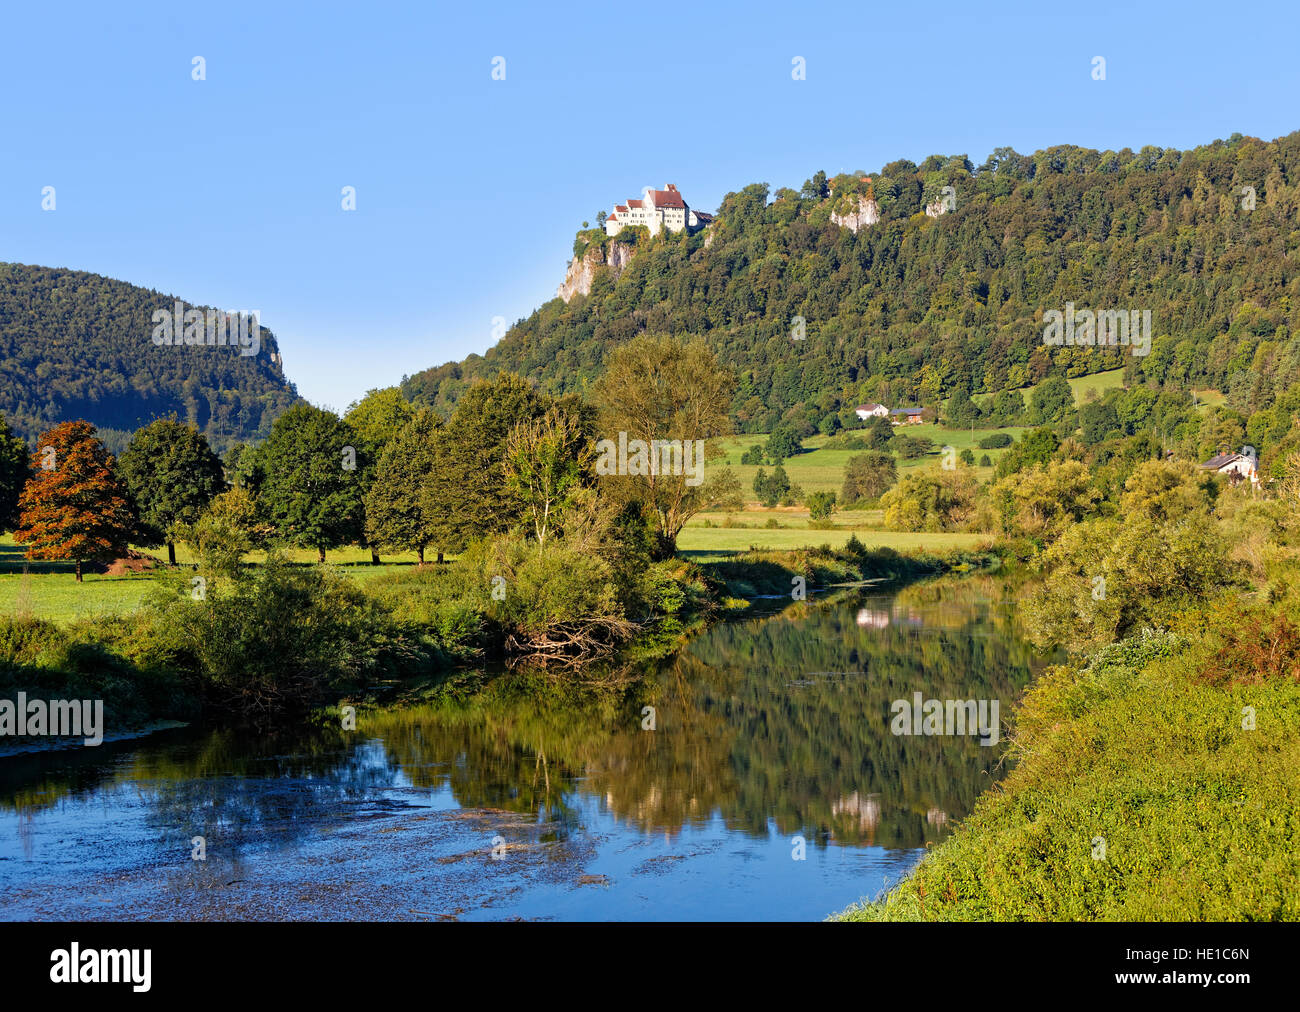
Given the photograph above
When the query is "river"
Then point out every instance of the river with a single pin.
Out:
(755, 775)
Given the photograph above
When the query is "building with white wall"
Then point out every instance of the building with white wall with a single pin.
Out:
(657, 210)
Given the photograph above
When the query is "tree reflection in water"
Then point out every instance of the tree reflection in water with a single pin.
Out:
(781, 721)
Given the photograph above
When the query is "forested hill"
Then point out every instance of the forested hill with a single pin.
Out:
(78, 345)
(915, 307)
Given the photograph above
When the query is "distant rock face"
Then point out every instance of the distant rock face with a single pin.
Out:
(868, 213)
(582, 272)
(936, 209)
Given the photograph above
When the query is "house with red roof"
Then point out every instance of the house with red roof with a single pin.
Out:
(657, 210)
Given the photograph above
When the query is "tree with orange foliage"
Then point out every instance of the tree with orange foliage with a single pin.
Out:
(73, 507)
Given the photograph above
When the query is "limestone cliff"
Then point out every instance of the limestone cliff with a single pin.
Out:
(867, 213)
(582, 270)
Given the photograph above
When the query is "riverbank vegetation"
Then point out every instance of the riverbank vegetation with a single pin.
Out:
(551, 565)
(1154, 773)
(1153, 780)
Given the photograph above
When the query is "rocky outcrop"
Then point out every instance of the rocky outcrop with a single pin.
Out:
(867, 213)
(936, 209)
(582, 270)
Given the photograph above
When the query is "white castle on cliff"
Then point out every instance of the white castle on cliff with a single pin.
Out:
(657, 210)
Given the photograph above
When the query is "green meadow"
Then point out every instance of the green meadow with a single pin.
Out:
(819, 469)
(695, 540)
(50, 590)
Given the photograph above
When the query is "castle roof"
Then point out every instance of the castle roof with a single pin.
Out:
(667, 198)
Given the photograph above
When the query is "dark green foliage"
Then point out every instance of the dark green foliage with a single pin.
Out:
(995, 441)
(244, 466)
(962, 412)
(911, 447)
(309, 494)
(867, 476)
(1036, 447)
(15, 464)
(821, 505)
(782, 444)
(95, 659)
(1051, 402)
(1096, 420)
(752, 456)
(469, 487)
(771, 488)
(1007, 407)
(285, 638)
(78, 346)
(985, 460)
(171, 474)
(967, 457)
(959, 297)
(879, 432)
(400, 511)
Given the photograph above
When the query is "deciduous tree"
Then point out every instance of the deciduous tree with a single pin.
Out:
(73, 507)
(312, 487)
(656, 388)
(546, 461)
(401, 511)
(171, 474)
(868, 476)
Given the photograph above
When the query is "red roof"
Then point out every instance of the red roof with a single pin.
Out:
(612, 217)
(634, 203)
(620, 207)
(668, 198)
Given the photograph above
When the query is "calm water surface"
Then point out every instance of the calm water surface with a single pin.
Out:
(530, 797)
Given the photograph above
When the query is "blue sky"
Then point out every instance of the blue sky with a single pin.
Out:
(227, 191)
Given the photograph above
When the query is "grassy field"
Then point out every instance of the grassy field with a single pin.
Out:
(1207, 400)
(822, 470)
(50, 589)
(1111, 379)
(695, 542)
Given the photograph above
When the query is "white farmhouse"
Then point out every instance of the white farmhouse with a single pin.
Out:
(871, 410)
(1235, 465)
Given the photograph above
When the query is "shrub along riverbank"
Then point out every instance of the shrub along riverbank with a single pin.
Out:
(1154, 779)
(281, 638)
